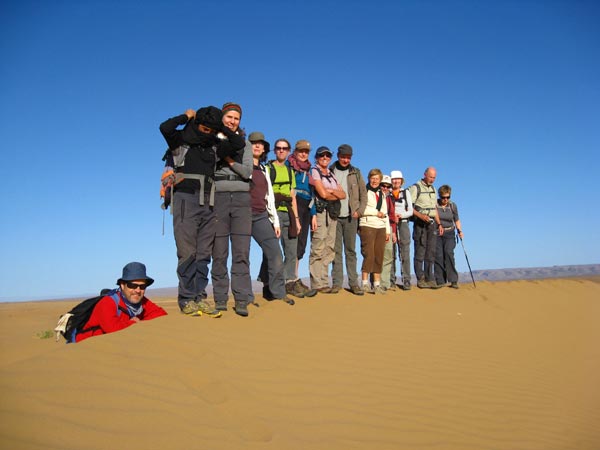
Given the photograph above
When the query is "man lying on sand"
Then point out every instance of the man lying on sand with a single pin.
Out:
(133, 306)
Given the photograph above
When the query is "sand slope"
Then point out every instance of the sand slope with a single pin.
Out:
(509, 365)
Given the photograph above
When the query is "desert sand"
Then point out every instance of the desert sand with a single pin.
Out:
(507, 365)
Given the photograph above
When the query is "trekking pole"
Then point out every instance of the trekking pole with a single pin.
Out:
(467, 258)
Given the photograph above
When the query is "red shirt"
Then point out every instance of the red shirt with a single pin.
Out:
(105, 317)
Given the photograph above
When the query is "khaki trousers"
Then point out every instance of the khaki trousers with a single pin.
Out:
(322, 251)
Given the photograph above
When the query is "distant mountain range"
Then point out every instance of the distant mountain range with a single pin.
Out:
(525, 273)
(528, 273)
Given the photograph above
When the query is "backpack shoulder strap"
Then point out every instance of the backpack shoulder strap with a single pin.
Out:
(403, 191)
(452, 207)
(418, 191)
(271, 169)
(115, 296)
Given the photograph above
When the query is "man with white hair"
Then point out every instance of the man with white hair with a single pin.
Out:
(426, 223)
(404, 210)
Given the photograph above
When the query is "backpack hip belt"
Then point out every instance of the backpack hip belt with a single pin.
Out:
(203, 179)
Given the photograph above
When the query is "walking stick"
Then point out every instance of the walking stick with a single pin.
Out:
(467, 258)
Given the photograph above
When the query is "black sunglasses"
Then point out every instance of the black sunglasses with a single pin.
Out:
(131, 285)
(281, 148)
(445, 197)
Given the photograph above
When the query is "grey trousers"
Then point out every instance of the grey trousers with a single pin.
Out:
(290, 247)
(345, 245)
(403, 248)
(445, 265)
(233, 222)
(194, 230)
(271, 269)
(425, 246)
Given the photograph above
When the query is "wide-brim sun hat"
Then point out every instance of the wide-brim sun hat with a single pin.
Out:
(135, 271)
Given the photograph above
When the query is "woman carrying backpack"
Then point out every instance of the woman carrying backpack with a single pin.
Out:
(328, 192)
(265, 223)
(445, 265)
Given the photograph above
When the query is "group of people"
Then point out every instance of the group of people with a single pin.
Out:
(227, 190)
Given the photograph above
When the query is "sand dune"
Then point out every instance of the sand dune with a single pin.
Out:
(508, 365)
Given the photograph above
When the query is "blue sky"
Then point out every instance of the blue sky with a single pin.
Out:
(502, 97)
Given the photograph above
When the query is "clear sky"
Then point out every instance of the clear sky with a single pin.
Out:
(502, 97)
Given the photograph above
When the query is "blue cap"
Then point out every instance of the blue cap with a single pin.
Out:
(322, 150)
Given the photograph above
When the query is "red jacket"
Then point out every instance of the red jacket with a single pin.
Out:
(105, 317)
(391, 207)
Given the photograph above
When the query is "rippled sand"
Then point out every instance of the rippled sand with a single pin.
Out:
(508, 365)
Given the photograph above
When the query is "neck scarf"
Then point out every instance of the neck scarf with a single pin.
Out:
(297, 165)
(338, 166)
(132, 310)
(378, 195)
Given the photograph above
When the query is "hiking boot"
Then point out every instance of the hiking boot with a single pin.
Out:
(324, 290)
(221, 306)
(454, 285)
(406, 286)
(367, 288)
(392, 287)
(422, 284)
(335, 289)
(379, 290)
(308, 292)
(433, 285)
(292, 288)
(357, 290)
(241, 309)
(206, 308)
(190, 308)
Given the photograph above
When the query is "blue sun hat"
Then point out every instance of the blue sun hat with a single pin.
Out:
(135, 271)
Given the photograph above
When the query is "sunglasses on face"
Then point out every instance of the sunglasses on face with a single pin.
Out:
(283, 149)
(324, 155)
(445, 197)
(134, 286)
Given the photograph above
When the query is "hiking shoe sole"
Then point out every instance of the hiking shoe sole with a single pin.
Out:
(324, 290)
(207, 309)
(241, 310)
(357, 290)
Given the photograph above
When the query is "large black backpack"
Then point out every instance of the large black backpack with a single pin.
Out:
(72, 323)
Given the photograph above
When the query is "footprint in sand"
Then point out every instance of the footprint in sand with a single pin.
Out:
(216, 394)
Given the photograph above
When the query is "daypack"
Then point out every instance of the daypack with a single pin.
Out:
(72, 323)
(173, 158)
(273, 174)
